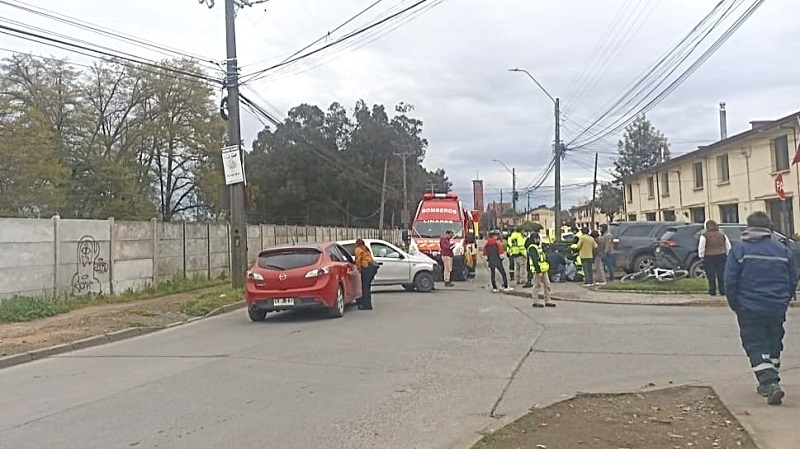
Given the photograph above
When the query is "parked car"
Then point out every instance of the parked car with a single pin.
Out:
(415, 272)
(306, 276)
(634, 242)
(677, 247)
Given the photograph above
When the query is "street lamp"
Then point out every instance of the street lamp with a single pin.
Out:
(513, 189)
(558, 150)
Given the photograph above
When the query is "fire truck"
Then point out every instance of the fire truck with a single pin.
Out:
(437, 213)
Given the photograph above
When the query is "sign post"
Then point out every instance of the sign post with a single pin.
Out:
(782, 195)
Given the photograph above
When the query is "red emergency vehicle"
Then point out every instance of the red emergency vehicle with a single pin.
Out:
(437, 213)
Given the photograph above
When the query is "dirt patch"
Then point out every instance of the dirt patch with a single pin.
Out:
(675, 418)
(16, 338)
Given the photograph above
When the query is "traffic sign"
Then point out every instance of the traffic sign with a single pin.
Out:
(779, 186)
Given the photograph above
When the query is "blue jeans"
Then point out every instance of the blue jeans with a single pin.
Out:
(609, 262)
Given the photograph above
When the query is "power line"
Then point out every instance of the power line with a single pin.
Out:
(27, 35)
(293, 70)
(143, 43)
(255, 75)
(664, 67)
(683, 76)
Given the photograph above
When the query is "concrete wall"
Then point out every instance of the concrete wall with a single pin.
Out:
(76, 257)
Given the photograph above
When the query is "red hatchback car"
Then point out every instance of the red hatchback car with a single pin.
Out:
(305, 276)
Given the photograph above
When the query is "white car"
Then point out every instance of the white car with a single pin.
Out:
(415, 272)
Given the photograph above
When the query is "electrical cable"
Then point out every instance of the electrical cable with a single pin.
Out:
(683, 76)
(648, 74)
(255, 75)
(63, 18)
(289, 71)
(15, 32)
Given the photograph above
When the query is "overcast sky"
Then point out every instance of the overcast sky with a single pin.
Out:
(452, 64)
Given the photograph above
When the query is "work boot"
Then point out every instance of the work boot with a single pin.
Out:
(775, 395)
(763, 390)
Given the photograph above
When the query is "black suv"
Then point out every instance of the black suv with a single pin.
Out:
(677, 247)
(634, 242)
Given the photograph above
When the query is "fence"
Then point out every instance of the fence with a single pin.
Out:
(41, 257)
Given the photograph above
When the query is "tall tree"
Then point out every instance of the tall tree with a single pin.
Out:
(642, 146)
(609, 199)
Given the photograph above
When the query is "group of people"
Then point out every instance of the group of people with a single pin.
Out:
(528, 258)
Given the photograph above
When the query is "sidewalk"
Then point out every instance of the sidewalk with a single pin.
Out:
(772, 427)
(573, 291)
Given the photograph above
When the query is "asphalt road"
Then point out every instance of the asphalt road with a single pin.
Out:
(420, 371)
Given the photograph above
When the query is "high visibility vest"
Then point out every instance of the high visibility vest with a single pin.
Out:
(539, 259)
(516, 245)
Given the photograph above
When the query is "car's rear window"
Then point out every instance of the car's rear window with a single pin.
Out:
(288, 259)
(668, 234)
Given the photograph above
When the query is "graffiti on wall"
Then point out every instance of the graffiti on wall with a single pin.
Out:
(90, 265)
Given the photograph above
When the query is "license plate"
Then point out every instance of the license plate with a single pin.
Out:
(283, 302)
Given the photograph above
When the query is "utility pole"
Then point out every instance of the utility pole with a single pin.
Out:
(238, 213)
(558, 170)
(404, 156)
(529, 201)
(594, 190)
(383, 196)
(514, 195)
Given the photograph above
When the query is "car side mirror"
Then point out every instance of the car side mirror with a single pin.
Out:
(471, 237)
(404, 235)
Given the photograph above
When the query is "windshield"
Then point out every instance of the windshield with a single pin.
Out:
(288, 259)
(436, 229)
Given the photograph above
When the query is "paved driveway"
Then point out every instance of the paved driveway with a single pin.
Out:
(421, 371)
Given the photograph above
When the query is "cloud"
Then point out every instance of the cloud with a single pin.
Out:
(452, 64)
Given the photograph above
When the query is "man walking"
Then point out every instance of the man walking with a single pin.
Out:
(493, 253)
(446, 250)
(760, 280)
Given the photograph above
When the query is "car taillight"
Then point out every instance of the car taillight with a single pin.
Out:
(256, 277)
(669, 243)
(615, 242)
(317, 272)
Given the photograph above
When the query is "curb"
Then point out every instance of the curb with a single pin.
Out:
(692, 303)
(124, 334)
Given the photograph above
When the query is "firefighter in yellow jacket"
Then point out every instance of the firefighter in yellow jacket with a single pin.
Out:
(518, 255)
(540, 268)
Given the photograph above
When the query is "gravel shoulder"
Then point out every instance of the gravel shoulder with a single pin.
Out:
(682, 417)
(17, 338)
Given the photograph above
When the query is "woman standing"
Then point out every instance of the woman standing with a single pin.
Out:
(368, 268)
(713, 250)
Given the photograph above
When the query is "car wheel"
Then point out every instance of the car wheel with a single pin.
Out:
(696, 270)
(409, 287)
(643, 262)
(424, 282)
(257, 314)
(337, 311)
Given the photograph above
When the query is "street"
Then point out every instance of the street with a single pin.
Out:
(420, 371)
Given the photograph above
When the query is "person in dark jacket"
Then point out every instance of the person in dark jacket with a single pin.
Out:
(493, 252)
(760, 280)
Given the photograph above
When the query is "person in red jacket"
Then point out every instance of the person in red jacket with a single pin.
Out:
(493, 253)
